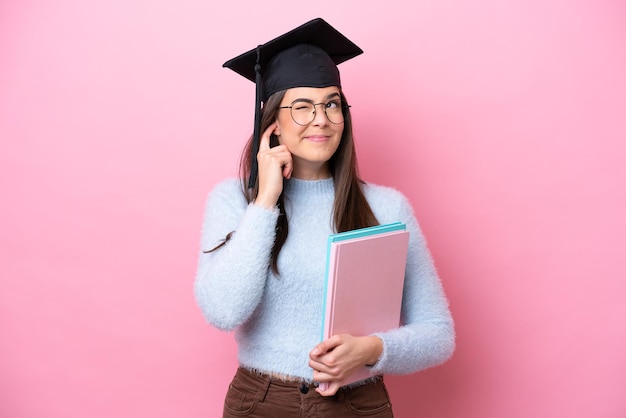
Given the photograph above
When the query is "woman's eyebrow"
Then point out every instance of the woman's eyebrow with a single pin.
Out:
(328, 97)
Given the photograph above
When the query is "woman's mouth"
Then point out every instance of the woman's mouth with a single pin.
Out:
(316, 138)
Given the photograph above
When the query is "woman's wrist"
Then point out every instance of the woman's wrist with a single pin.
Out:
(375, 350)
(265, 202)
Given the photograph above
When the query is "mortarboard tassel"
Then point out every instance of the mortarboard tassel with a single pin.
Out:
(257, 122)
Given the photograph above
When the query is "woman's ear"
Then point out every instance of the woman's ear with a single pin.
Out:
(274, 136)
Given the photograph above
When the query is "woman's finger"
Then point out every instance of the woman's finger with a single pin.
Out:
(264, 143)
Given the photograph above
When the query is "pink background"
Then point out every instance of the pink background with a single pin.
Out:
(504, 122)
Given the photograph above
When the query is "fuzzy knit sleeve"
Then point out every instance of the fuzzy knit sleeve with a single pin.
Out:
(426, 337)
(230, 281)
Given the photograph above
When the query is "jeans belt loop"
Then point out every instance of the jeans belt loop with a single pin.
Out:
(262, 391)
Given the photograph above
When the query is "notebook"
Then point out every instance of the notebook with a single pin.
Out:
(364, 281)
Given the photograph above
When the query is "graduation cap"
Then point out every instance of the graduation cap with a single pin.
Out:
(306, 56)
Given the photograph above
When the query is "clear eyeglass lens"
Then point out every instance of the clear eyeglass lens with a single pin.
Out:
(303, 113)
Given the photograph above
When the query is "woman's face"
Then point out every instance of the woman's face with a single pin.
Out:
(313, 144)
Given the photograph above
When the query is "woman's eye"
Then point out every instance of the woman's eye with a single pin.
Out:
(332, 105)
(302, 107)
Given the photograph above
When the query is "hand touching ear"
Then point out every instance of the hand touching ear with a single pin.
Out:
(274, 165)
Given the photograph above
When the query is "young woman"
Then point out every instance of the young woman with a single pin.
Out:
(262, 266)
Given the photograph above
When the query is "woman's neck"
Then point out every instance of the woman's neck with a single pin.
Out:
(311, 172)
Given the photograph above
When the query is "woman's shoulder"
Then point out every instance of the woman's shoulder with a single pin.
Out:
(229, 189)
(378, 192)
(388, 203)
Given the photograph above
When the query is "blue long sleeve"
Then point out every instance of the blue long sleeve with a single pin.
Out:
(277, 319)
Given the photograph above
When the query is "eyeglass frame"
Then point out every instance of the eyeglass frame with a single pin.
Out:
(343, 107)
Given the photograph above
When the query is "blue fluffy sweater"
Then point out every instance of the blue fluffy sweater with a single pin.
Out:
(277, 319)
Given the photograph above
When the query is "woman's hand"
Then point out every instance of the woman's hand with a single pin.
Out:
(336, 358)
(274, 164)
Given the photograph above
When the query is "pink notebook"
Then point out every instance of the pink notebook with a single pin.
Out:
(364, 282)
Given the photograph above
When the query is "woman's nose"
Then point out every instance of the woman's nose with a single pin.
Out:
(319, 117)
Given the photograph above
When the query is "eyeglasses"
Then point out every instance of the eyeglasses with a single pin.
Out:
(303, 111)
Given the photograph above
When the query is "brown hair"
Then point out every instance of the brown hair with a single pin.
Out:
(350, 209)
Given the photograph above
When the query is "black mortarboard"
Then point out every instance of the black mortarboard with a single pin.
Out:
(306, 56)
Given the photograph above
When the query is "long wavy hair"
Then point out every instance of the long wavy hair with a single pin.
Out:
(350, 210)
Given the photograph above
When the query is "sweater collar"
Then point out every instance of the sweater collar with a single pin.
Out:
(298, 187)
